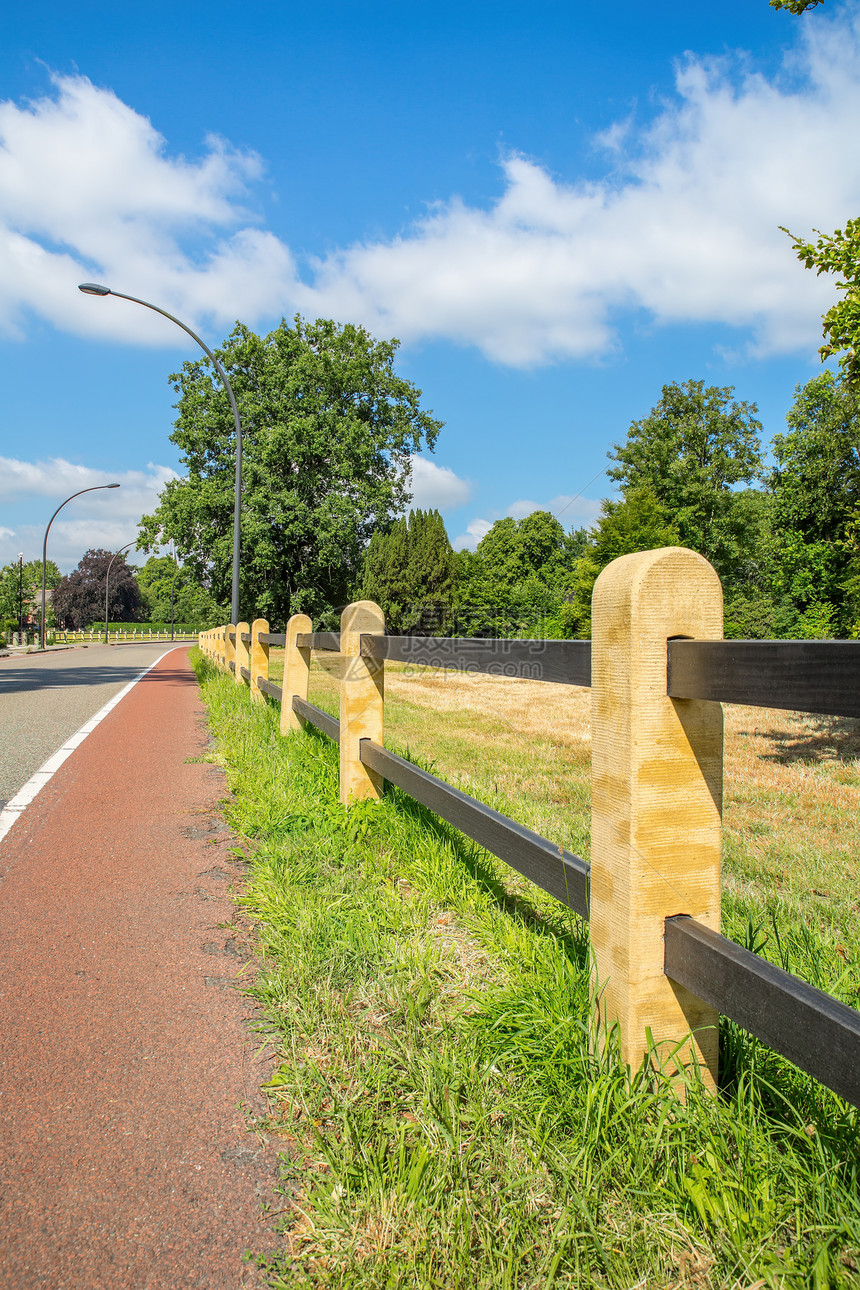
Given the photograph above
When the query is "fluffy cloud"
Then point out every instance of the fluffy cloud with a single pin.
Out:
(88, 190)
(573, 511)
(684, 228)
(100, 519)
(437, 487)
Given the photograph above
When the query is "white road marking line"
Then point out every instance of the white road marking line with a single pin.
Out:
(16, 805)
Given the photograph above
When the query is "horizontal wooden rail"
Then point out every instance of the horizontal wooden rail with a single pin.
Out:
(246, 637)
(812, 1029)
(562, 662)
(324, 721)
(232, 665)
(273, 638)
(319, 640)
(800, 676)
(268, 687)
(245, 673)
(550, 867)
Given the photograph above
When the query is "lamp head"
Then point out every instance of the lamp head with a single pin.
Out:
(113, 485)
(93, 289)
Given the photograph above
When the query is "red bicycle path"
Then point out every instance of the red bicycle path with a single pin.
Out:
(128, 1071)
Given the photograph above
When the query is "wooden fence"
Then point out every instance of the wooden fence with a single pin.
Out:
(658, 674)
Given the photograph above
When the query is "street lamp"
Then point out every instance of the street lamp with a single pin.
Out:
(94, 289)
(94, 489)
(20, 596)
(107, 581)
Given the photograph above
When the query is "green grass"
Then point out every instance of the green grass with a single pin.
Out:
(448, 1120)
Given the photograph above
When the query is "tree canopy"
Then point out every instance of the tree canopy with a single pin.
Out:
(815, 487)
(328, 433)
(12, 583)
(795, 6)
(79, 598)
(171, 593)
(517, 581)
(410, 572)
(692, 451)
(838, 252)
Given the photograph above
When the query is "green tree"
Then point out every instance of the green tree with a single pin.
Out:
(692, 451)
(167, 585)
(839, 253)
(79, 598)
(516, 581)
(635, 522)
(13, 583)
(815, 487)
(795, 6)
(328, 432)
(410, 573)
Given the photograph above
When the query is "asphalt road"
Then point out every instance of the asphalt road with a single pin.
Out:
(45, 698)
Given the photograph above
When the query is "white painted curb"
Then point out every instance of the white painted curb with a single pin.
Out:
(16, 805)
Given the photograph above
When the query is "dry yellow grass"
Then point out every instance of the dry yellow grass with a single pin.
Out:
(792, 824)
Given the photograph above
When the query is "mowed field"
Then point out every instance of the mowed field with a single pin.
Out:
(792, 792)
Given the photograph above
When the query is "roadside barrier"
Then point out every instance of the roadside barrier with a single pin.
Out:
(658, 673)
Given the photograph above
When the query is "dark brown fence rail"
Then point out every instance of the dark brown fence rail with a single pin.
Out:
(319, 640)
(561, 662)
(317, 717)
(801, 676)
(547, 865)
(818, 1033)
(812, 1029)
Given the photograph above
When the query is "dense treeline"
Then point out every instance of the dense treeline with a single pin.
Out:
(784, 537)
(161, 591)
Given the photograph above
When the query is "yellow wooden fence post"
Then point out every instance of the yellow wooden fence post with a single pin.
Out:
(297, 668)
(362, 696)
(243, 652)
(229, 646)
(259, 658)
(657, 773)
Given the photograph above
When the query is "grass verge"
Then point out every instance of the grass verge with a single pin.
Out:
(448, 1120)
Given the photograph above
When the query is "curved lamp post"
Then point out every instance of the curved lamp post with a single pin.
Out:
(94, 489)
(95, 289)
(107, 580)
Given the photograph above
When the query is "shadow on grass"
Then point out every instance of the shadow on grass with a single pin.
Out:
(817, 738)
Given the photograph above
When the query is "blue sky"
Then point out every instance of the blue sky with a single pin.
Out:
(556, 208)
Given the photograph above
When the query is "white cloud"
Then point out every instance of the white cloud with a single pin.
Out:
(437, 487)
(107, 518)
(683, 229)
(572, 510)
(686, 229)
(88, 191)
(475, 530)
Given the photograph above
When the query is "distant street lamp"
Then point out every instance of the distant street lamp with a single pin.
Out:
(94, 289)
(94, 489)
(107, 582)
(20, 597)
(173, 589)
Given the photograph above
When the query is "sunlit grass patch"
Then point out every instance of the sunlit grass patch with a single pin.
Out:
(449, 1119)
